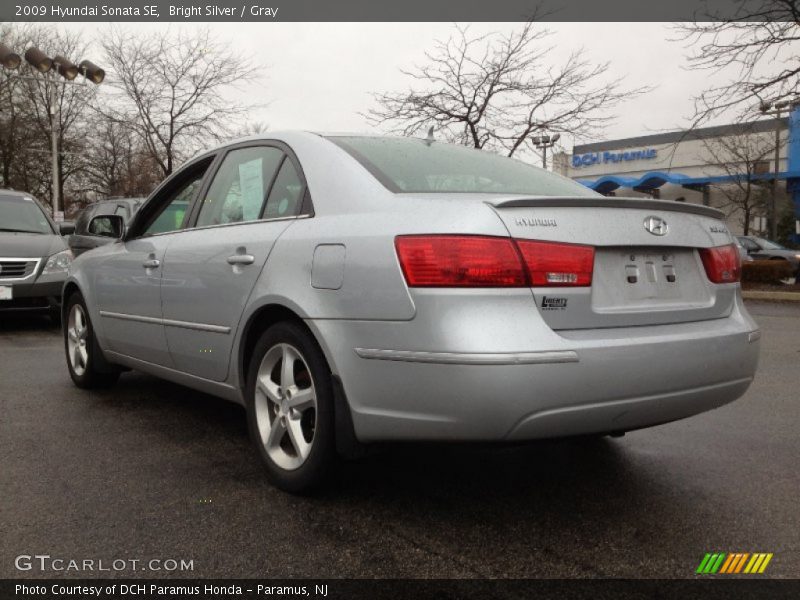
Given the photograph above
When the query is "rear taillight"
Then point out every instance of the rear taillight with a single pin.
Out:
(723, 263)
(459, 261)
(551, 264)
(483, 261)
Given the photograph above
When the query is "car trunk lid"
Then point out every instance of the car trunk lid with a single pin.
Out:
(647, 266)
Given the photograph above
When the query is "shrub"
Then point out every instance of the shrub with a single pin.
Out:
(767, 271)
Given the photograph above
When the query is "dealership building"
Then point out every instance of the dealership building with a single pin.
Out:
(698, 166)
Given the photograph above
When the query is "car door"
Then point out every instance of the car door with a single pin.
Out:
(254, 196)
(128, 280)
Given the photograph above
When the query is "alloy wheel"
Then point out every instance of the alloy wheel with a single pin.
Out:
(77, 340)
(285, 406)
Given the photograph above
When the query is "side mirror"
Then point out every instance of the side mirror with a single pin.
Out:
(110, 226)
(66, 227)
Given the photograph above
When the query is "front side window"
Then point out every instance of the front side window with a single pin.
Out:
(174, 202)
(21, 214)
(172, 215)
(410, 165)
(240, 186)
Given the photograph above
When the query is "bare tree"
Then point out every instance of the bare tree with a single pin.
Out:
(741, 157)
(753, 48)
(497, 90)
(117, 163)
(28, 114)
(173, 88)
(250, 128)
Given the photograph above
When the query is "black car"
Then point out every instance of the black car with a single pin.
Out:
(90, 234)
(34, 257)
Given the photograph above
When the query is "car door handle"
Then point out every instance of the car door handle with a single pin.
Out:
(151, 263)
(241, 259)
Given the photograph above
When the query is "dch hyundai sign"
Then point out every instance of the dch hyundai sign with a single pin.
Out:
(596, 158)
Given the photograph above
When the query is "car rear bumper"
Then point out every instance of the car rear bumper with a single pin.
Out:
(531, 382)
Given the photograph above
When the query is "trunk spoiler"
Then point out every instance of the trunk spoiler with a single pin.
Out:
(606, 202)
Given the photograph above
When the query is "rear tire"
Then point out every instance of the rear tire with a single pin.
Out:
(290, 410)
(81, 348)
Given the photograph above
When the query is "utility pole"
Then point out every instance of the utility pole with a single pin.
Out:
(766, 108)
(55, 129)
(48, 67)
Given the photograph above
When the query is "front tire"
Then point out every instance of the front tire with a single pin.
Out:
(82, 350)
(290, 408)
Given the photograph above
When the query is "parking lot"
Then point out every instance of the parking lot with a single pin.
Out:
(151, 470)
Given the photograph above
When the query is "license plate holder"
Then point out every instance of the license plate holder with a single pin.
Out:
(651, 274)
(6, 292)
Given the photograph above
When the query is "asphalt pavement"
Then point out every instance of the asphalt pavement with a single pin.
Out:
(151, 470)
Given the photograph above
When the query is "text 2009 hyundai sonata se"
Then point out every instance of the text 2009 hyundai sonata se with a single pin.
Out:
(354, 289)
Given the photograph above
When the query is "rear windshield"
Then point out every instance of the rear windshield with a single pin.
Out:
(416, 166)
(21, 214)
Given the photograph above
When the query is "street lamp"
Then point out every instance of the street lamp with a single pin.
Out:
(47, 66)
(92, 72)
(767, 109)
(8, 58)
(543, 142)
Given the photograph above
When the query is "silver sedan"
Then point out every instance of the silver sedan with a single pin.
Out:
(355, 289)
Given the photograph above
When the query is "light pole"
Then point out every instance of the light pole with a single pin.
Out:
(767, 109)
(47, 67)
(543, 142)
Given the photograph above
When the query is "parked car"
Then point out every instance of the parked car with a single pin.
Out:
(759, 248)
(34, 257)
(357, 289)
(84, 238)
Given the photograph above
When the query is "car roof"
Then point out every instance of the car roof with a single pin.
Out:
(287, 136)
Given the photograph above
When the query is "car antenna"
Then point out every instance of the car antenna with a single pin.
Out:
(429, 140)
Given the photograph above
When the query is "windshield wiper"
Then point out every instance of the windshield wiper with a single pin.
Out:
(20, 230)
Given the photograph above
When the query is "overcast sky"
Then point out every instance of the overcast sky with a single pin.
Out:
(319, 76)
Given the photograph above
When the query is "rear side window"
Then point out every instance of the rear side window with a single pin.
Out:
(417, 166)
(286, 194)
(240, 186)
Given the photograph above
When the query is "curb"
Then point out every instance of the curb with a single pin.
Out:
(774, 296)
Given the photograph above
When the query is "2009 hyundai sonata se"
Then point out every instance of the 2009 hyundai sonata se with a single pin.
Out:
(355, 289)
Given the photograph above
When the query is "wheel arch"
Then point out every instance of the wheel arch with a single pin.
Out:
(70, 288)
(347, 443)
(257, 323)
